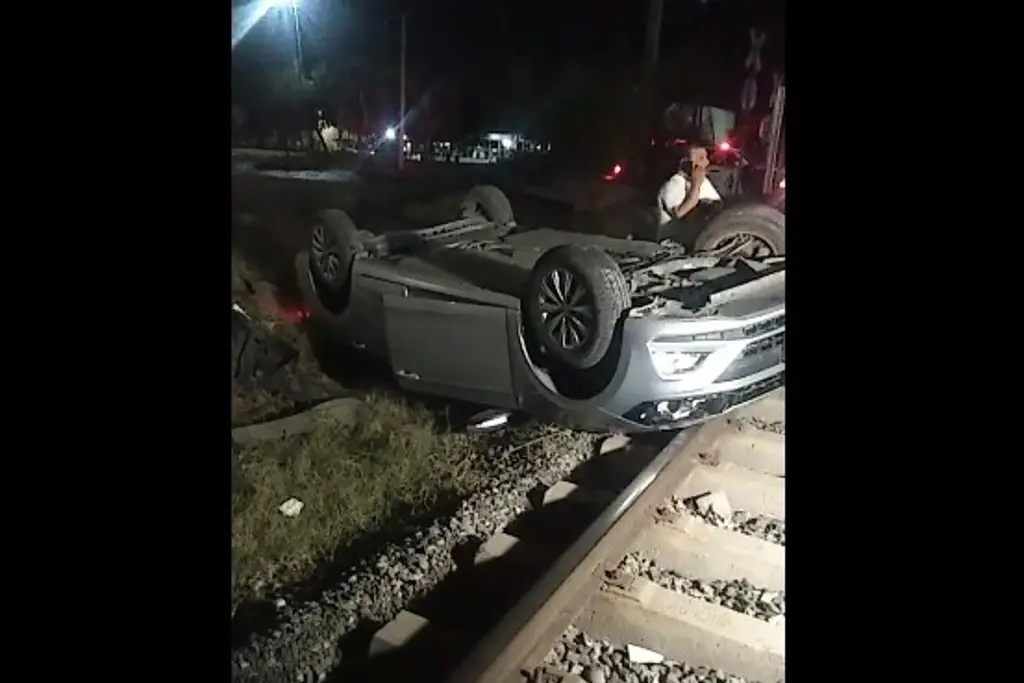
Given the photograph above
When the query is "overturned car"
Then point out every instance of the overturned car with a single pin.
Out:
(586, 330)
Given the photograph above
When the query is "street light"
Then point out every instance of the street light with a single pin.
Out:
(245, 17)
(390, 133)
(298, 33)
(294, 5)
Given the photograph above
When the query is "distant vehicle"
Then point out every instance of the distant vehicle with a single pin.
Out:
(489, 148)
(586, 330)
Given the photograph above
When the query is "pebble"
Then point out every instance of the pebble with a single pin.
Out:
(774, 426)
(714, 504)
(738, 595)
(613, 666)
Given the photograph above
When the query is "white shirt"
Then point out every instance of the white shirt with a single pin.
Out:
(673, 192)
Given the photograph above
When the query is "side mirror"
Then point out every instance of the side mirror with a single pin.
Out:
(488, 421)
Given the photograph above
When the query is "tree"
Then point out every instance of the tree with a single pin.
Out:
(294, 96)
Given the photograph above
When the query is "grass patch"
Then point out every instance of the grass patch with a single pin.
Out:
(394, 463)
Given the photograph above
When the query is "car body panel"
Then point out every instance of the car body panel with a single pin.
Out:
(435, 275)
(496, 275)
(447, 317)
(453, 349)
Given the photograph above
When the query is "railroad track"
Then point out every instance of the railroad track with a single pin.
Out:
(676, 577)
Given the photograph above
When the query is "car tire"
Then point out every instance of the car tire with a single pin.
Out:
(488, 202)
(765, 223)
(334, 242)
(602, 290)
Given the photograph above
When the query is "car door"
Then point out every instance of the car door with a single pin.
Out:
(452, 349)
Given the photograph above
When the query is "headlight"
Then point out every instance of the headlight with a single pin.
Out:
(670, 364)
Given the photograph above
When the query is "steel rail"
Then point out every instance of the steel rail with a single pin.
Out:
(550, 605)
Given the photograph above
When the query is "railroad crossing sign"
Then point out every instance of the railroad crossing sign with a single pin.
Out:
(757, 39)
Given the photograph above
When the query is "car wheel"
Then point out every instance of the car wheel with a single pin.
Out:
(753, 230)
(575, 298)
(332, 249)
(487, 201)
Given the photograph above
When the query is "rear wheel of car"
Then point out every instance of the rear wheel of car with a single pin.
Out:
(574, 301)
(753, 230)
(332, 249)
(487, 201)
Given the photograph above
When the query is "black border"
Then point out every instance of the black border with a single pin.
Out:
(877, 226)
(128, 548)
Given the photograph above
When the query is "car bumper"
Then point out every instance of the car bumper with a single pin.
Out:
(678, 412)
(741, 360)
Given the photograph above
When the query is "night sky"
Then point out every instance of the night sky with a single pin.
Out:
(477, 54)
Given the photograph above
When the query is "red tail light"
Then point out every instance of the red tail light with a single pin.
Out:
(614, 173)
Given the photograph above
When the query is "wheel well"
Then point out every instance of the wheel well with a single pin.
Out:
(562, 380)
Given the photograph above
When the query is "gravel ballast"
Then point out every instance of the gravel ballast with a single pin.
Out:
(738, 595)
(773, 426)
(306, 644)
(760, 526)
(598, 661)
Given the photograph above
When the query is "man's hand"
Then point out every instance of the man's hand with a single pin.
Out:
(697, 175)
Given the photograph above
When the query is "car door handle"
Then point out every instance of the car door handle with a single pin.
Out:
(405, 374)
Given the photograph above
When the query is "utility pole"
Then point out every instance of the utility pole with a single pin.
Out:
(654, 13)
(774, 138)
(298, 41)
(401, 103)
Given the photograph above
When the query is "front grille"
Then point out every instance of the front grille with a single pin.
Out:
(765, 345)
(718, 403)
(706, 406)
(752, 330)
(764, 326)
